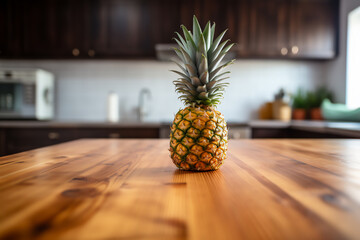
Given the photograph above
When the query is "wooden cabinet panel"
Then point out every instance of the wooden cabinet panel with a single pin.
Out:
(131, 28)
(118, 133)
(118, 28)
(165, 19)
(223, 13)
(293, 133)
(312, 28)
(304, 29)
(189, 8)
(4, 24)
(13, 140)
(268, 28)
(23, 139)
(52, 28)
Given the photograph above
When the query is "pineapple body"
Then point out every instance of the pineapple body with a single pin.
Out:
(198, 139)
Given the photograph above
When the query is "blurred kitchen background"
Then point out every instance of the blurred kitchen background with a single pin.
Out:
(106, 68)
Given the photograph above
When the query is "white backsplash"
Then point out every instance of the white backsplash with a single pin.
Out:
(82, 86)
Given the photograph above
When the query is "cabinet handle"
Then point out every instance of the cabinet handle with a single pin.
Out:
(53, 135)
(284, 51)
(76, 52)
(295, 50)
(91, 52)
(114, 135)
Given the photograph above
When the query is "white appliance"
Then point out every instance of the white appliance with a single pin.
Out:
(26, 94)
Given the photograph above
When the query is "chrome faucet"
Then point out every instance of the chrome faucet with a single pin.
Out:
(143, 109)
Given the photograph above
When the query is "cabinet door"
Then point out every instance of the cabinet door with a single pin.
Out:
(268, 28)
(187, 9)
(223, 13)
(138, 132)
(118, 28)
(166, 21)
(23, 139)
(4, 31)
(313, 28)
(52, 28)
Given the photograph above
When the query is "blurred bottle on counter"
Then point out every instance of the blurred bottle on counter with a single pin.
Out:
(113, 107)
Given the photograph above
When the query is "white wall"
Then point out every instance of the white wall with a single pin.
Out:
(82, 86)
(336, 69)
(353, 60)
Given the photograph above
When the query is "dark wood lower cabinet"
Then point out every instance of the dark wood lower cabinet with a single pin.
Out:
(23, 139)
(14, 140)
(293, 133)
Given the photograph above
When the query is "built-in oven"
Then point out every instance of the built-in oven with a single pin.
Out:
(26, 94)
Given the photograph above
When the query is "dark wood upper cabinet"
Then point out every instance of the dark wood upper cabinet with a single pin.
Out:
(305, 29)
(268, 27)
(223, 13)
(313, 28)
(118, 28)
(52, 28)
(165, 20)
(67, 29)
(10, 29)
(4, 19)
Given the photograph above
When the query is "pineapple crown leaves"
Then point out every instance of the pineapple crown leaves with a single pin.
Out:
(201, 80)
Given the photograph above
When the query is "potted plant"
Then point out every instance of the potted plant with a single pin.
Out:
(299, 105)
(315, 100)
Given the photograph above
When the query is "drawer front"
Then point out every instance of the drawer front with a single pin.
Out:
(23, 139)
(14, 140)
(118, 133)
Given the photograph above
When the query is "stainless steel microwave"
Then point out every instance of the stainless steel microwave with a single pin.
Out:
(26, 94)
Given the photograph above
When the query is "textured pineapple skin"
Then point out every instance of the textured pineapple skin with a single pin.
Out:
(198, 139)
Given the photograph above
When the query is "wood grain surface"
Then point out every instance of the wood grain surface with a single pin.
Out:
(130, 189)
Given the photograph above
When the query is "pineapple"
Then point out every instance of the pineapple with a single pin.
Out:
(199, 135)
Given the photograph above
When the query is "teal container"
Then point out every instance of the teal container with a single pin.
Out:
(339, 112)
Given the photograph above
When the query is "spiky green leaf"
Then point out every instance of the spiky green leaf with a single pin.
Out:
(218, 69)
(196, 30)
(181, 67)
(207, 35)
(195, 81)
(212, 33)
(217, 51)
(188, 36)
(191, 70)
(217, 41)
(182, 75)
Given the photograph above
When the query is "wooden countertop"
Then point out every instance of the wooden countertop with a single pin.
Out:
(130, 189)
